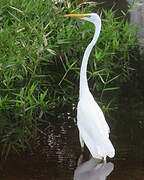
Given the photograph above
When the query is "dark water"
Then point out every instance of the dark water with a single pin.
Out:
(56, 156)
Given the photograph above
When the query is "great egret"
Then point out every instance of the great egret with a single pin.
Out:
(93, 128)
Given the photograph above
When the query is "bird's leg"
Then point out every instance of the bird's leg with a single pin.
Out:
(90, 156)
(81, 143)
(80, 160)
(103, 160)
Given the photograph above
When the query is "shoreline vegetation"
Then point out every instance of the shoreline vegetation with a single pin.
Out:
(40, 59)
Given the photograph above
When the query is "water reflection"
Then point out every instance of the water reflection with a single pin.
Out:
(56, 153)
(93, 170)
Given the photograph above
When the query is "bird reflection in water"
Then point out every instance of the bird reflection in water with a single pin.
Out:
(92, 169)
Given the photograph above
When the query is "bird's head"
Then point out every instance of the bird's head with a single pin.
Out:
(91, 17)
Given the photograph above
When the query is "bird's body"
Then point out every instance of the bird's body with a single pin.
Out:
(93, 128)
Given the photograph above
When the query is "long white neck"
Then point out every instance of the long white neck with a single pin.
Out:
(83, 72)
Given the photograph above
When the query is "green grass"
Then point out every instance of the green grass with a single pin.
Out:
(40, 59)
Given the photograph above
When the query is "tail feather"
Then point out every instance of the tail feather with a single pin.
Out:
(99, 146)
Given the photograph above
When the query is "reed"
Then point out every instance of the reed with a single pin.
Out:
(40, 58)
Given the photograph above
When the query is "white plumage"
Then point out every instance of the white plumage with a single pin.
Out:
(93, 128)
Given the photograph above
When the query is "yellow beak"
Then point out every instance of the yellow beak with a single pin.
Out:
(77, 15)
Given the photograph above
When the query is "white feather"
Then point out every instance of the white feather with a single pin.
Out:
(93, 128)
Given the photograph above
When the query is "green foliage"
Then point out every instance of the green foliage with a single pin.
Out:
(40, 58)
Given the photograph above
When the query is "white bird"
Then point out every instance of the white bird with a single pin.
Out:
(93, 128)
